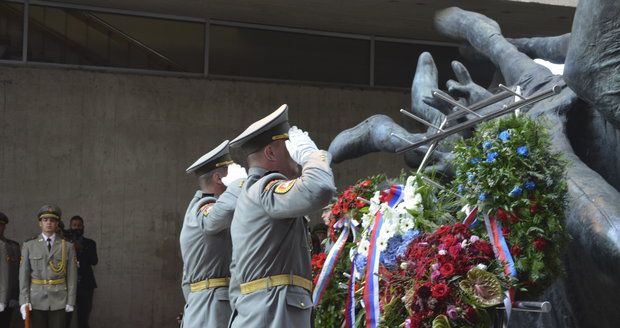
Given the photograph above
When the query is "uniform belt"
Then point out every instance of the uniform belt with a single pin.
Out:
(209, 283)
(48, 281)
(279, 280)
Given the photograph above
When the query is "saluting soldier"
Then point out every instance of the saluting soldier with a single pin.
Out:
(9, 251)
(271, 250)
(47, 274)
(205, 239)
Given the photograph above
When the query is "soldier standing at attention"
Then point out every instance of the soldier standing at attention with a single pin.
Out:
(9, 277)
(271, 250)
(205, 239)
(47, 274)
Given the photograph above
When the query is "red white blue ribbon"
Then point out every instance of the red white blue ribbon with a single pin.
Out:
(371, 287)
(332, 259)
(502, 253)
(349, 308)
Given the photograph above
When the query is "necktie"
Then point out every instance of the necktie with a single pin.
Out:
(49, 244)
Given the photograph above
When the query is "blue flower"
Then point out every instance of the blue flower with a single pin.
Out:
(475, 160)
(504, 135)
(529, 185)
(491, 157)
(515, 192)
(483, 196)
(470, 176)
(522, 151)
(487, 144)
(460, 189)
(388, 257)
(360, 263)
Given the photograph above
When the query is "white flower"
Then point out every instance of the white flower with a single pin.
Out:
(481, 267)
(387, 230)
(442, 252)
(464, 243)
(404, 265)
(362, 249)
(406, 224)
(367, 220)
(375, 204)
(474, 239)
(382, 244)
(352, 253)
(435, 266)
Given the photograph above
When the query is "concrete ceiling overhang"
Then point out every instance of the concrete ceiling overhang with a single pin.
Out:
(412, 19)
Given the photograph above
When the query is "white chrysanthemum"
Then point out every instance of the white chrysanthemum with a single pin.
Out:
(375, 204)
(367, 220)
(382, 243)
(388, 230)
(481, 267)
(442, 252)
(362, 249)
(406, 224)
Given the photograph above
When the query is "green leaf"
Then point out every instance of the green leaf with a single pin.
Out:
(441, 321)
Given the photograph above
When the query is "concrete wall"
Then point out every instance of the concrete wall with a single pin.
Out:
(113, 148)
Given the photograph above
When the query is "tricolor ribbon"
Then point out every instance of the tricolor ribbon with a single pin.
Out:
(502, 253)
(371, 286)
(349, 309)
(332, 259)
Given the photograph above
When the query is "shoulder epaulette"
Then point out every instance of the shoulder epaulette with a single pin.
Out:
(31, 238)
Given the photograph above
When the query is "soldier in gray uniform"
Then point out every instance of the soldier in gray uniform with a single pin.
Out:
(9, 291)
(205, 239)
(271, 250)
(47, 274)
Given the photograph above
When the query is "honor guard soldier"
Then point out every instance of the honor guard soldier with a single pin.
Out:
(205, 239)
(271, 250)
(9, 289)
(47, 274)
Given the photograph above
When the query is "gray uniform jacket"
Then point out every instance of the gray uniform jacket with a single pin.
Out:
(206, 250)
(270, 237)
(49, 270)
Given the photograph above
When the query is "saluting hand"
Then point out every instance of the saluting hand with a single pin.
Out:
(235, 172)
(299, 145)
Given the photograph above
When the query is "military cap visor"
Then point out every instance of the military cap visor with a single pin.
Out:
(216, 158)
(3, 218)
(273, 127)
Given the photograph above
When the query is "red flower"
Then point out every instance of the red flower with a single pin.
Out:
(443, 230)
(349, 195)
(336, 209)
(447, 270)
(366, 183)
(505, 230)
(470, 313)
(460, 228)
(440, 291)
(540, 244)
(360, 204)
(515, 251)
(483, 247)
(533, 208)
(501, 214)
(448, 240)
(513, 218)
(318, 260)
(454, 250)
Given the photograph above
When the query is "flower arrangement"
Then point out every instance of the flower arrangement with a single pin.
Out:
(446, 277)
(508, 171)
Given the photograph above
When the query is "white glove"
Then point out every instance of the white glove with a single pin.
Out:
(235, 172)
(299, 145)
(13, 303)
(69, 308)
(2, 307)
(22, 309)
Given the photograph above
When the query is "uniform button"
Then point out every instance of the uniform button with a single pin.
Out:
(302, 304)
